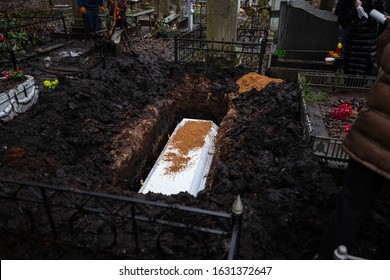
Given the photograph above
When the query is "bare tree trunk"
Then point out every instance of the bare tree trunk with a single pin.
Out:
(177, 4)
(162, 8)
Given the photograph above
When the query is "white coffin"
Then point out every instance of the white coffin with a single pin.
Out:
(167, 176)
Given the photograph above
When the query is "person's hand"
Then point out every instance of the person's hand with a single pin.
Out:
(387, 20)
(358, 3)
(83, 10)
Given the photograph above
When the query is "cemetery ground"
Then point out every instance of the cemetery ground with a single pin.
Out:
(79, 134)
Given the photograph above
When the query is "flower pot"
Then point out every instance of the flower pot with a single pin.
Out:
(18, 99)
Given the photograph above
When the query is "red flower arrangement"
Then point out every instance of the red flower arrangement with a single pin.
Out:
(343, 111)
(13, 74)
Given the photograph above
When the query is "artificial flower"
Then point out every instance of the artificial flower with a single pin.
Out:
(46, 83)
(336, 53)
(343, 111)
(17, 74)
(347, 128)
(50, 85)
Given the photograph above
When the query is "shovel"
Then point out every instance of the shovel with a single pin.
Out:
(116, 36)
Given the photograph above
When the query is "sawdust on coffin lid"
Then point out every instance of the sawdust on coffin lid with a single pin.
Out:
(188, 137)
(254, 80)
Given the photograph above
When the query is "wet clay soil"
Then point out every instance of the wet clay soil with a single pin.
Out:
(78, 135)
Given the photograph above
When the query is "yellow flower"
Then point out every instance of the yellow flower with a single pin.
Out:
(50, 85)
(46, 83)
(339, 45)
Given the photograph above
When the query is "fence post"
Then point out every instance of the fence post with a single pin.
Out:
(263, 46)
(10, 50)
(64, 24)
(237, 210)
(176, 49)
(135, 230)
(201, 41)
(48, 212)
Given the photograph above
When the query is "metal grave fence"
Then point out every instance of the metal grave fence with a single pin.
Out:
(248, 50)
(23, 34)
(109, 222)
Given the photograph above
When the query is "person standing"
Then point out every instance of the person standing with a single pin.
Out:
(368, 171)
(121, 8)
(90, 12)
(358, 34)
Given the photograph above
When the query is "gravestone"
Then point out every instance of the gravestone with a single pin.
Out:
(305, 32)
(222, 20)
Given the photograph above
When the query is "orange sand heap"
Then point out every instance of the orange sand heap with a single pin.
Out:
(254, 80)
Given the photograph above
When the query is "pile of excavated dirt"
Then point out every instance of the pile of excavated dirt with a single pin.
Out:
(78, 135)
(254, 80)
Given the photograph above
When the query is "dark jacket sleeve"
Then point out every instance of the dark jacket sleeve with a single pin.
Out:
(346, 11)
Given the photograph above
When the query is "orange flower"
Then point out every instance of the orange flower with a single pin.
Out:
(336, 53)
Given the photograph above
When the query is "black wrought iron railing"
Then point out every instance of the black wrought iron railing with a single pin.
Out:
(103, 221)
(248, 51)
(258, 16)
(24, 33)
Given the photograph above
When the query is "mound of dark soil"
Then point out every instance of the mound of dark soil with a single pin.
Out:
(66, 139)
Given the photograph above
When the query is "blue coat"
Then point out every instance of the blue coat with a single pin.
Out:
(90, 3)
